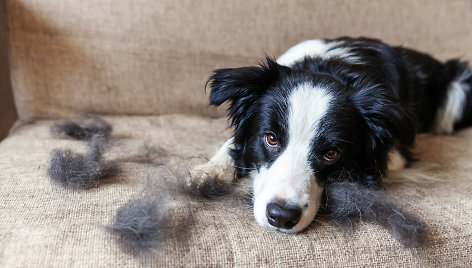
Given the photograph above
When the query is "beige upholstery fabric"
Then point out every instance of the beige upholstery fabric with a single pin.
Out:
(153, 57)
(44, 225)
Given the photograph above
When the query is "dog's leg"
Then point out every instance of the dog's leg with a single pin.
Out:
(218, 169)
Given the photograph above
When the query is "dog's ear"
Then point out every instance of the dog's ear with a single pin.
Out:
(387, 123)
(243, 86)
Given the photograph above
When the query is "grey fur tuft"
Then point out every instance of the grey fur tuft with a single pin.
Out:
(83, 128)
(142, 224)
(348, 203)
(81, 171)
(149, 220)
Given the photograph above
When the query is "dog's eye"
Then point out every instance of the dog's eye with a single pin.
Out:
(331, 155)
(271, 140)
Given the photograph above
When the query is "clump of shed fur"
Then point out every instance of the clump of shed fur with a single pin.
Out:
(152, 218)
(81, 171)
(348, 203)
(142, 224)
(213, 188)
(83, 128)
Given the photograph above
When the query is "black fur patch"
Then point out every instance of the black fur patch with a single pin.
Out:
(349, 203)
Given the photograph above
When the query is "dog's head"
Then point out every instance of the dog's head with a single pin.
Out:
(296, 132)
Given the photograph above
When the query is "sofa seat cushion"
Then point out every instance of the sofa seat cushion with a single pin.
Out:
(43, 224)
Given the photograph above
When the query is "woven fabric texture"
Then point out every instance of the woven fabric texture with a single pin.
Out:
(154, 57)
(45, 225)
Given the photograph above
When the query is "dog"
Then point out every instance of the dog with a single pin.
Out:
(329, 110)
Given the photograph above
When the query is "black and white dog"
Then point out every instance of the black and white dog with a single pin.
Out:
(328, 111)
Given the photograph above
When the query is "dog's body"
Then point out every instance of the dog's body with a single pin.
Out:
(329, 111)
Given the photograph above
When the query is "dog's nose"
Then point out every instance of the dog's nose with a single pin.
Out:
(280, 215)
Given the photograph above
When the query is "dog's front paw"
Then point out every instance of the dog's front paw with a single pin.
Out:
(209, 180)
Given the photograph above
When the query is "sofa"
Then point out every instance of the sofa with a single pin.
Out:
(142, 66)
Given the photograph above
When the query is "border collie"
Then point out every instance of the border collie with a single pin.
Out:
(329, 110)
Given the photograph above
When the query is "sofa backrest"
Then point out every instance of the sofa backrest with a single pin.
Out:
(153, 57)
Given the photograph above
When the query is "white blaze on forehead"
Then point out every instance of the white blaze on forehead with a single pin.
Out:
(317, 48)
(290, 177)
(307, 105)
